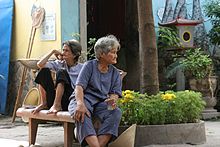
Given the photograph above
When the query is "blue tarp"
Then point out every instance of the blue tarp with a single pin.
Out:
(6, 17)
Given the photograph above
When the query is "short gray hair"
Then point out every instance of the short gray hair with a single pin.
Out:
(105, 44)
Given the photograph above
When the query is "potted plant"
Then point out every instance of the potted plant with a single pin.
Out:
(198, 67)
(197, 64)
(164, 118)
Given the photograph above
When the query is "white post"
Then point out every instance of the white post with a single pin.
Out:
(83, 29)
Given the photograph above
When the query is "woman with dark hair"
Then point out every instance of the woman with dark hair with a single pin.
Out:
(66, 66)
(97, 89)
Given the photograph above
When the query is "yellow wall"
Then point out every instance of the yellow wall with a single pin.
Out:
(22, 29)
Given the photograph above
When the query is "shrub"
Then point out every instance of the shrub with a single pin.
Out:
(167, 107)
(197, 63)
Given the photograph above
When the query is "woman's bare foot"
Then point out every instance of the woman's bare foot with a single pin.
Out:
(54, 109)
(39, 107)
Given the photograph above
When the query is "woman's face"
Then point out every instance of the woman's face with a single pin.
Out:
(67, 53)
(111, 56)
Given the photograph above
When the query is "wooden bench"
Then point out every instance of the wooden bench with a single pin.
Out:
(61, 116)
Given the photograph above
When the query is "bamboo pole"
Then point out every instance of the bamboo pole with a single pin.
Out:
(24, 72)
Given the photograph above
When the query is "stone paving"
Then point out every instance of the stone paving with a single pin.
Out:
(51, 134)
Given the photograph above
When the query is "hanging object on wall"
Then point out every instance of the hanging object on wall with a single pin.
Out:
(48, 30)
(38, 16)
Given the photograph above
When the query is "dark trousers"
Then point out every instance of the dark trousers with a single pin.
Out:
(45, 79)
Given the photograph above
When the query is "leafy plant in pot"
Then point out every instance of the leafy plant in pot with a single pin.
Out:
(158, 115)
(166, 107)
(198, 67)
(197, 64)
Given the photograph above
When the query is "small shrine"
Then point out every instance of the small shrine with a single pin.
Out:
(185, 28)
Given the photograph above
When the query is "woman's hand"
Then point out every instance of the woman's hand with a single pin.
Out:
(111, 101)
(58, 54)
(80, 112)
(41, 63)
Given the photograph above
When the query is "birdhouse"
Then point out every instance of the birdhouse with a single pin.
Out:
(185, 28)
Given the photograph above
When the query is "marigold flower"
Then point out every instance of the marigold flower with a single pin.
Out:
(128, 92)
(168, 96)
(129, 96)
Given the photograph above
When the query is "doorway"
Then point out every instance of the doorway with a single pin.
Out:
(117, 17)
(105, 17)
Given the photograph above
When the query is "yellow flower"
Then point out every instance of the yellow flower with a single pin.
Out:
(129, 96)
(128, 91)
(126, 100)
(123, 93)
(168, 96)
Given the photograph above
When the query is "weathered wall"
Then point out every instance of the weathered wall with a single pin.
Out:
(66, 23)
(22, 29)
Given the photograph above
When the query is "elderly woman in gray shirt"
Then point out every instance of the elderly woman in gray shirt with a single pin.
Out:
(98, 85)
(56, 97)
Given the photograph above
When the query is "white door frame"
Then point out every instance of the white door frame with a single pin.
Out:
(83, 28)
